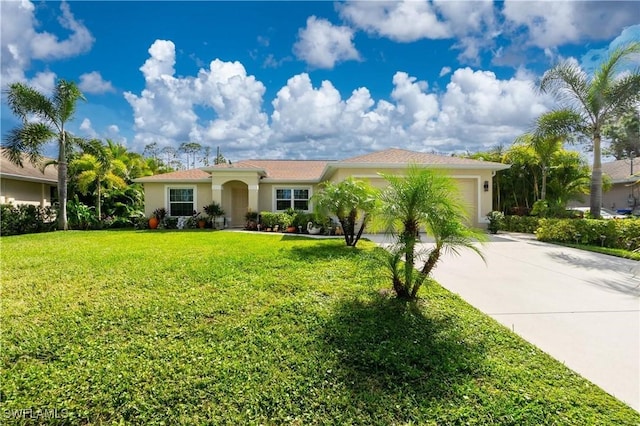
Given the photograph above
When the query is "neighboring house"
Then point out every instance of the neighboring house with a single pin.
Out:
(275, 185)
(28, 184)
(624, 193)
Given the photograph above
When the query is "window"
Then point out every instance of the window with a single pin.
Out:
(296, 198)
(181, 201)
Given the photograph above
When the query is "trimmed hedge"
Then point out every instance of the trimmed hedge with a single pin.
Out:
(26, 219)
(526, 224)
(622, 234)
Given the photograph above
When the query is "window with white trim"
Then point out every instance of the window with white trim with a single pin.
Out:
(295, 198)
(181, 201)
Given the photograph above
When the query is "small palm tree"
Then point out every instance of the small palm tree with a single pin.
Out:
(352, 202)
(43, 119)
(429, 200)
(589, 103)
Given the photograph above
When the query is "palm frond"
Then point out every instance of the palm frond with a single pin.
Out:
(567, 83)
(25, 101)
(65, 98)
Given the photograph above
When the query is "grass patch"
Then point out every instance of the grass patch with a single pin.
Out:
(626, 254)
(230, 328)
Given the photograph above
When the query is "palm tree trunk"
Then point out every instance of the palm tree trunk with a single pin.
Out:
(98, 209)
(596, 176)
(62, 183)
(543, 190)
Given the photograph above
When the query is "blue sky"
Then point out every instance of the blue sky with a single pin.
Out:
(306, 79)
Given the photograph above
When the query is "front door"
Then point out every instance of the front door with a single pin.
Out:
(239, 206)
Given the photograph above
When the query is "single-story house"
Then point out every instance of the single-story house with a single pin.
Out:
(28, 184)
(276, 185)
(624, 193)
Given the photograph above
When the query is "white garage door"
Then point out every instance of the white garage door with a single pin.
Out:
(469, 194)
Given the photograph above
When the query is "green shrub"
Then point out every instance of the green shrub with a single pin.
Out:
(268, 219)
(623, 234)
(26, 219)
(513, 223)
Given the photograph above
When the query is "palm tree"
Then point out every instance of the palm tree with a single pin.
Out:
(43, 119)
(544, 148)
(430, 200)
(589, 103)
(98, 167)
(351, 201)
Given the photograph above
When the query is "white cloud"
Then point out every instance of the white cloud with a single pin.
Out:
(594, 57)
(223, 105)
(94, 83)
(472, 23)
(551, 24)
(22, 43)
(322, 44)
(476, 111)
(444, 71)
(403, 21)
(87, 128)
(165, 110)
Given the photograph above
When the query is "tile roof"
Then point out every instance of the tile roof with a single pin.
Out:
(286, 169)
(29, 171)
(620, 170)
(180, 175)
(313, 170)
(403, 156)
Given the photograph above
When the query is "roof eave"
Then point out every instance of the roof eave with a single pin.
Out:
(480, 165)
(169, 180)
(28, 178)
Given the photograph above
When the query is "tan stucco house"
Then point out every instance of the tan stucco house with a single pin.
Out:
(26, 185)
(275, 185)
(624, 193)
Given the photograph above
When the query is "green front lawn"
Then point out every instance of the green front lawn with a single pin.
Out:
(231, 328)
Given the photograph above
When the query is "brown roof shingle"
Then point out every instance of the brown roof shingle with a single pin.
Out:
(29, 171)
(286, 169)
(620, 170)
(180, 175)
(403, 156)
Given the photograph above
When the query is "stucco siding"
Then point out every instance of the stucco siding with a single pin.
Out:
(23, 192)
(618, 197)
(471, 184)
(156, 195)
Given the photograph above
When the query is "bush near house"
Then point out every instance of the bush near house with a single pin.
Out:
(514, 223)
(26, 219)
(622, 234)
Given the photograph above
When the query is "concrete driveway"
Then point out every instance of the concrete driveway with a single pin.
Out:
(582, 308)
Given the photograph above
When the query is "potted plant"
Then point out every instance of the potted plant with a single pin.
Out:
(214, 211)
(157, 217)
(201, 220)
(288, 218)
(495, 221)
(269, 220)
(252, 220)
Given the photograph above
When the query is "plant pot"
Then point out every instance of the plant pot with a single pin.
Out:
(202, 224)
(291, 229)
(153, 223)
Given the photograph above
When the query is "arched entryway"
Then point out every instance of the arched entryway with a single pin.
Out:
(235, 202)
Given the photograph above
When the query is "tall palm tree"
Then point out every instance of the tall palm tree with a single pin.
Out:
(43, 120)
(98, 167)
(423, 198)
(590, 102)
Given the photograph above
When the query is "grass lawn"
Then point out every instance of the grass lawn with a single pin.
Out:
(152, 327)
(627, 254)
